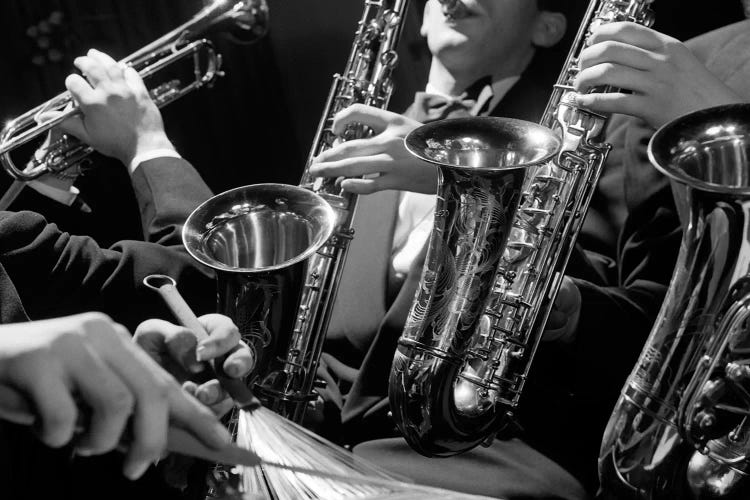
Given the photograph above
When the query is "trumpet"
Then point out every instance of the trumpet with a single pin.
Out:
(248, 17)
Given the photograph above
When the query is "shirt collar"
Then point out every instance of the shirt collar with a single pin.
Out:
(499, 89)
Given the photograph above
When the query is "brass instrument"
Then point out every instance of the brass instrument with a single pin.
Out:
(488, 354)
(258, 239)
(681, 428)
(286, 320)
(247, 18)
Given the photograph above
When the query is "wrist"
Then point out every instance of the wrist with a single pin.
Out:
(145, 143)
(148, 148)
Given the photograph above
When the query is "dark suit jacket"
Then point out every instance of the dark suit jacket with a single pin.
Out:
(46, 273)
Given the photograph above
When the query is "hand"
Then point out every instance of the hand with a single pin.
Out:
(177, 349)
(563, 320)
(665, 78)
(62, 365)
(119, 119)
(383, 155)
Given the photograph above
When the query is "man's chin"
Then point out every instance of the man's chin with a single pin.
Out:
(451, 45)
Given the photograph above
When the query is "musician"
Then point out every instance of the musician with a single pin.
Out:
(46, 273)
(496, 60)
(603, 327)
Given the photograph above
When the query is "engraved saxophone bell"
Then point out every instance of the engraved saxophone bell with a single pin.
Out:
(258, 239)
(680, 428)
(483, 163)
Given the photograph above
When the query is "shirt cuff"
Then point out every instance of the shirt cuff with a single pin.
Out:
(150, 155)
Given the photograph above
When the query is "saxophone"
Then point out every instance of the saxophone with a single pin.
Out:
(279, 259)
(680, 428)
(455, 384)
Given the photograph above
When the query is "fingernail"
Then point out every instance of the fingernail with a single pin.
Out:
(195, 367)
(235, 368)
(84, 452)
(202, 352)
(208, 396)
(134, 471)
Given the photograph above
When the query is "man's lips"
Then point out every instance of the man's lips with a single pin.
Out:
(455, 9)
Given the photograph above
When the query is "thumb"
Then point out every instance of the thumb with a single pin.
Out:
(73, 125)
(375, 118)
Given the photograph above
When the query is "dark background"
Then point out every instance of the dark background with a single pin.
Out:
(257, 123)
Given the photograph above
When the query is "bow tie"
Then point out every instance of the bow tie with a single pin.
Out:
(432, 107)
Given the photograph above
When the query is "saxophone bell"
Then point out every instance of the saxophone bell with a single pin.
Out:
(258, 239)
(681, 425)
(483, 163)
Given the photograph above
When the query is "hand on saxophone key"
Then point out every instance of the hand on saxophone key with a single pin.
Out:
(660, 76)
(81, 378)
(563, 320)
(382, 158)
(118, 117)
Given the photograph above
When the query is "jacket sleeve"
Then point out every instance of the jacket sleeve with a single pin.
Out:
(615, 320)
(167, 190)
(57, 274)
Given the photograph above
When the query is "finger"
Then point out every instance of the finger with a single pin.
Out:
(190, 387)
(375, 118)
(94, 72)
(627, 32)
(188, 413)
(552, 335)
(353, 167)
(160, 338)
(75, 127)
(351, 149)
(222, 408)
(557, 319)
(627, 104)
(72, 125)
(109, 399)
(618, 53)
(113, 69)
(239, 363)
(56, 412)
(223, 336)
(181, 345)
(81, 91)
(615, 75)
(365, 186)
(210, 393)
(14, 407)
(149, 384)
(135, 82)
